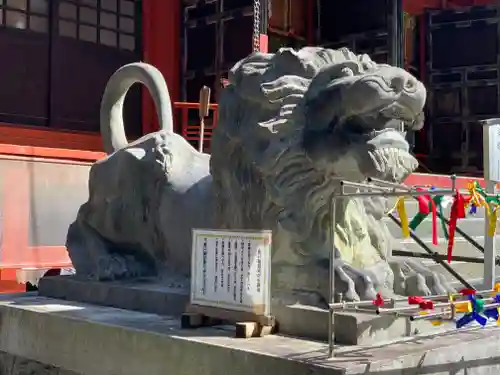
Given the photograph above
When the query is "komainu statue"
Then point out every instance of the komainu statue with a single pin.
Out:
(291, 126)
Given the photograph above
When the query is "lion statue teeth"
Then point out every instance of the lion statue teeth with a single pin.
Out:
(291, 126)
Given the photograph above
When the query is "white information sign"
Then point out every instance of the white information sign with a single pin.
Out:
(491, 151)
(491, 148)
(231, 270)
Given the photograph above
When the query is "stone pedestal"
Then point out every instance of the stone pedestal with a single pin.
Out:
(149, 296)
(82, 339)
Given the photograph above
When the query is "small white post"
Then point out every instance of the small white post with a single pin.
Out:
(491, 156)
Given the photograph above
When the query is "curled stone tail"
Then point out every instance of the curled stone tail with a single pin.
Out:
(111, 115)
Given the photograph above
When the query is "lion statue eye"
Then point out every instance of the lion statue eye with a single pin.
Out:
(347, 72)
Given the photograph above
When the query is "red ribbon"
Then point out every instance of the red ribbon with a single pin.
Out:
(378, 301)
(467, 292)
(423, 203)
(426, 205)
(457, 212)
(434, 223)
(424, 304)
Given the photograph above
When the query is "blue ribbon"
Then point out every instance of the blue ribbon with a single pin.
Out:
(473, 209)
(475, 315)
(493, 312)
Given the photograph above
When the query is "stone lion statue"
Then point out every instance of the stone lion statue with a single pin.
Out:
(291, 126)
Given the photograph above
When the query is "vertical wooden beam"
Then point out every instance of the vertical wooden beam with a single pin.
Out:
(161, 32)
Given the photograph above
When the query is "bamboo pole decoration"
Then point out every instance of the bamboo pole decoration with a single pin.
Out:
(204, 111)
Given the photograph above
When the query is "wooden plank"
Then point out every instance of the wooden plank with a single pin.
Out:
(231, 315)
(246, 330)
(191, 320)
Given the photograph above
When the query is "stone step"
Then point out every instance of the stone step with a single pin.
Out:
(473, 225)
(469, 271)
(461, 246)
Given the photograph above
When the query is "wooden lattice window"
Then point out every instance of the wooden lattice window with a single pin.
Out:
(30, 15)
(111, 23)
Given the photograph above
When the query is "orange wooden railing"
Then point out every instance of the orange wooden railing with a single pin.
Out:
(191, 130)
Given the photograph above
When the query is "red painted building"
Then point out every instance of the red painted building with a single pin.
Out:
(55, 59)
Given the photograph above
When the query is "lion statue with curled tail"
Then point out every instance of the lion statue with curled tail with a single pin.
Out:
(292, 125)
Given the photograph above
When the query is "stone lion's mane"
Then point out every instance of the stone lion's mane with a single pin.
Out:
(258, 157)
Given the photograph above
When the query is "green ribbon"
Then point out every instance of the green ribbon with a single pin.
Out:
(479, 306)
(420, 217)
(417, 220)
(488, 198)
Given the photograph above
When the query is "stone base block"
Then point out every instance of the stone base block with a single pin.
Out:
(94, 340)
(349, 328)
(145, 295)
(149, 296)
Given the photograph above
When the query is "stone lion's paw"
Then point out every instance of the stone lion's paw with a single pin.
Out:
(412, 278)
(116, 267)
(354, 284)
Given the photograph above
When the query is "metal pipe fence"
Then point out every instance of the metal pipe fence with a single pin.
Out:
(391, 190)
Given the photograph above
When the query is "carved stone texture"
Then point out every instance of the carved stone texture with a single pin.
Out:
(291, 125)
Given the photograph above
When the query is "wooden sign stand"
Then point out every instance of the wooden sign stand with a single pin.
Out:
(230, 282)
(246, 324)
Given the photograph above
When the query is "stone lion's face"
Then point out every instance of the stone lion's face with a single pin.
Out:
(356, 123)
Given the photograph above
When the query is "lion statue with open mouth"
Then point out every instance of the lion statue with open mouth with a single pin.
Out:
(291, 126)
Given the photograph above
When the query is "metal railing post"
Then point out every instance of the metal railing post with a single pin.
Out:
(331, 313)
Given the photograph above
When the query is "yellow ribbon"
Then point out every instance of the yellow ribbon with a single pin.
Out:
(496, 290)
(433, 322)
(479, 201)
(463, 307)
(492, 222)
(405, 226)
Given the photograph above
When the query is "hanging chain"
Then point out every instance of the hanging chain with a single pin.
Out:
(256, 25)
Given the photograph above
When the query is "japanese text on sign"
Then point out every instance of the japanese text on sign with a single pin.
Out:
(231, 270)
